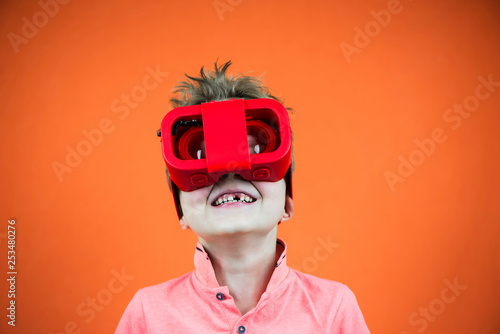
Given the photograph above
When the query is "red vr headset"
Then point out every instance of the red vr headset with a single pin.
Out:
(251, 138)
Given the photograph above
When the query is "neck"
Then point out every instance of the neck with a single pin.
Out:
(245, 265)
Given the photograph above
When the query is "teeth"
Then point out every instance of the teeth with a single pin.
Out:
(233, 198)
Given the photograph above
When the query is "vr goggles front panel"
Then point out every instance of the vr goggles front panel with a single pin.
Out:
(251, 138)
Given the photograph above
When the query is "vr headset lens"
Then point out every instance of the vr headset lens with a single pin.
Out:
(189, 142)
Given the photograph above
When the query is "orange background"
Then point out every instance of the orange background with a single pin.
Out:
(352, 121)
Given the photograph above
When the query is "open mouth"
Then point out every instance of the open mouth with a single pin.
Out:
(233, 198)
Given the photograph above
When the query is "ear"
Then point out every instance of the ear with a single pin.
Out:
(288, 211)
(184, 223)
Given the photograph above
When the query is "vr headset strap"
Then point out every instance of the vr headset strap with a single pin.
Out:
(225, 132)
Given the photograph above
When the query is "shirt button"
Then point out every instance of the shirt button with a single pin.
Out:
(242, 329)
(220, 296)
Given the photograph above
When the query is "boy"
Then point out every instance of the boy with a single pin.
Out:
(227, 146)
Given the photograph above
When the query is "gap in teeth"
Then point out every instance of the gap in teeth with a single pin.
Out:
(233, 198)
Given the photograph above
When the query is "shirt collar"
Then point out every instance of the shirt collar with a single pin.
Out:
(204, 270)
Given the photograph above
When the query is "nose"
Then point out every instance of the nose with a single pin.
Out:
(230, 176)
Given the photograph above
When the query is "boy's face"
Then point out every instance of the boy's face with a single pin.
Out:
(234, 205)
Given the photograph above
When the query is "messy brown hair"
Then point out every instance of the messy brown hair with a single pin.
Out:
(218, 86)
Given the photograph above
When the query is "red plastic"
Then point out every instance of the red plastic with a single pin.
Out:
(226, 143)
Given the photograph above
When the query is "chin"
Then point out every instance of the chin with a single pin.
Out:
(238, 225)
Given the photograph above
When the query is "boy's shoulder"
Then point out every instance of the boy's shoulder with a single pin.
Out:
(325, 294)
(167, 288)
(317, 281)
(321, 287)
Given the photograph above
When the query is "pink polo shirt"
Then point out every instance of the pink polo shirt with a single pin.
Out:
(293, 302)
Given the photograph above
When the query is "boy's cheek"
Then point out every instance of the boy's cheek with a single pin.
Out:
(196, 197)
(270, 187)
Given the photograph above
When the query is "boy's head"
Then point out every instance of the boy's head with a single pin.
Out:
(219, 86)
